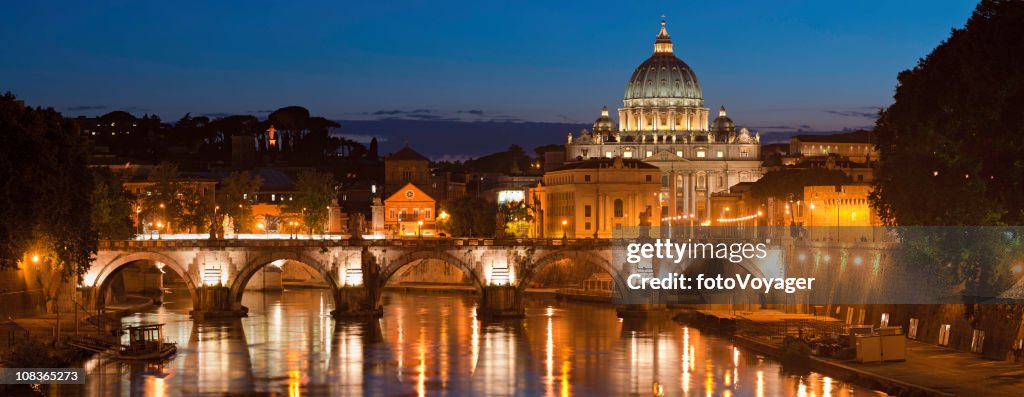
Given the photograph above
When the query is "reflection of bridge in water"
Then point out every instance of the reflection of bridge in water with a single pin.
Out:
(216, 271)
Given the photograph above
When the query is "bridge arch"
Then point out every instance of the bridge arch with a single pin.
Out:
(618, 276)
(254, 265)
(103, 276)
(394, 265)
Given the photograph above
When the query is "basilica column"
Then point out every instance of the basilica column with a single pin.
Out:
(686, 193)
(672, 120)
(623, 121)
(707, 195)
(657, 121)
(672, 190)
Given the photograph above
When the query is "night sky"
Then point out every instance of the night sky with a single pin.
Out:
(777, 66)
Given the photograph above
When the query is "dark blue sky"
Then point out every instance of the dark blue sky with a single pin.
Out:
(815, 65)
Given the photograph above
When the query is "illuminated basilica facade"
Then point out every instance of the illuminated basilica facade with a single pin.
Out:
(663, 122)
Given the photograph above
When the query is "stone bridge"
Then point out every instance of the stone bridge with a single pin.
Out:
(217, 271)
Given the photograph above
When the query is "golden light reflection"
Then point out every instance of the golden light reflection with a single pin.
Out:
(549, 350)
(566, 387)
(421, 369)
(474, 342)
(709, 380)
(827, 387)
(294, 383)
(760, 383)
(801, 390)
(685, 381)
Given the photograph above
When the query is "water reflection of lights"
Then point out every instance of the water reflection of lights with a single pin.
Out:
(421, 369)
(549, 351)
(826, 390)
(294, 383)
(801, 390)
(474, 342)
(760, 383)
(686, 361)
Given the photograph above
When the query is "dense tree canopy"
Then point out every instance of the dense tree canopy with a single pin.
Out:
(113, 215)
(314, 193)
(952, 143)
(471, 217)
(45, 188)
(952, 154)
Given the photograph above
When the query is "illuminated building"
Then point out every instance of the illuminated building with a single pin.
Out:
(663, 122)
(410, 212)
(596, 196)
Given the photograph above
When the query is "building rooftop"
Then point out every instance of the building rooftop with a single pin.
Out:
(847, 137)
(407, 154)
(597, 163)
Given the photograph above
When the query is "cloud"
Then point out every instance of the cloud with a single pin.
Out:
(476, 112)
(134, 109)
(216, 115)
(397, 112)
(453, 157)
(80, 108)
(261, 111)
(869, 113)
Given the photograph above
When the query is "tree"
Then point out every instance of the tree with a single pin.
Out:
(517, 216)
(237, 193)
(471, 217)
(161, 207)
(952, 152)
(45, 188)
(113, 215)
(314, 193)
(952, 143)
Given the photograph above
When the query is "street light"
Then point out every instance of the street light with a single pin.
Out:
(138, 218)
(419, 229)
(565, 228)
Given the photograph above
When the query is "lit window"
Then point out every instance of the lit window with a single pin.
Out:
(679, 153)
(720, 154)
(700, 154)
(627, 155)
(649, 154)
(744, 154)
(608, 154)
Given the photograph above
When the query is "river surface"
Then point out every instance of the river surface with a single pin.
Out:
(428, 344)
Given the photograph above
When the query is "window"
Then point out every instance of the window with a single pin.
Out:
(649, 154)
(627, 154)
(720, 154)
(860, 316)
(426, 213)
(608, 154)
(391, 214)
(586, 225)
(912, 329)
(744, 153)
(700, 154)
(679, 153)
(977, 341)
(849, 316)
(860, 178)
(618, 208)
(944, 335)
(884, 322)
(648, 178)
(586, 211)
(586, 178)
